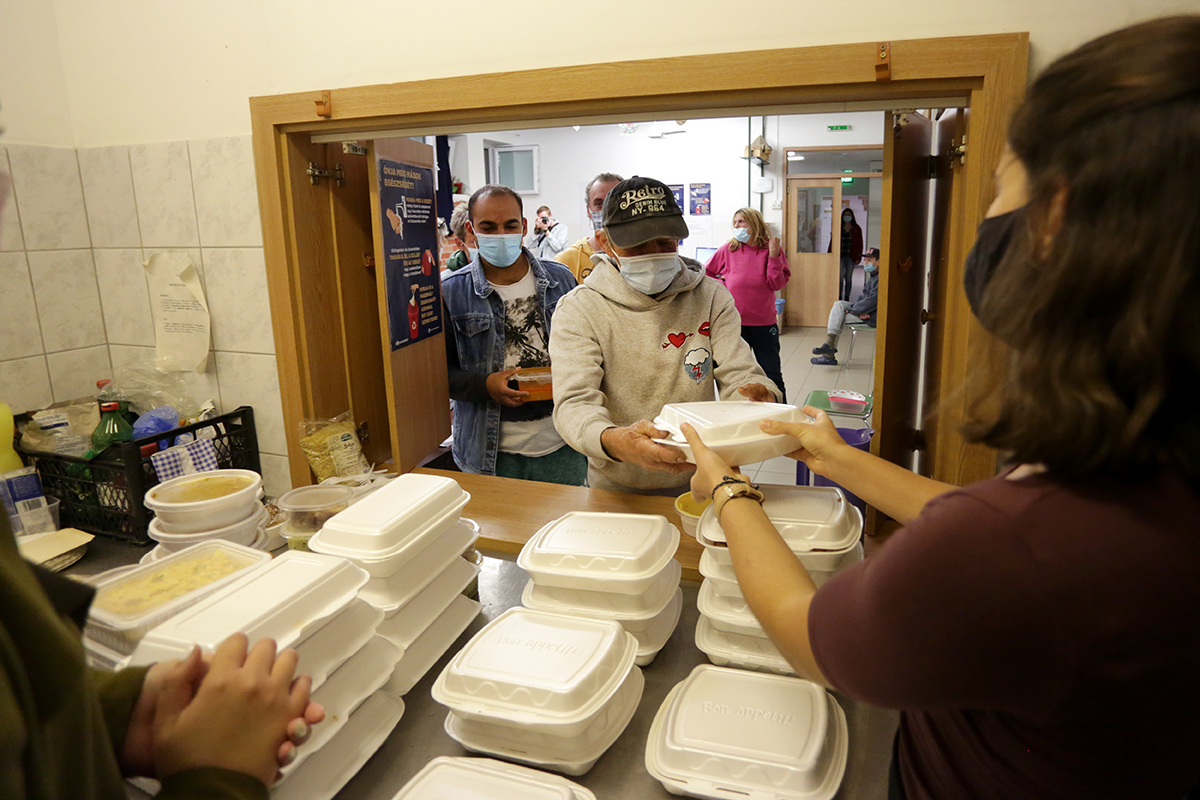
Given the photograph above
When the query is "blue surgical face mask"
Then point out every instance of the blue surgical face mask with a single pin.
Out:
(473, 252)
(741, 234)
(870, 267)
(652, 273)
(499, 249)
(597, 218)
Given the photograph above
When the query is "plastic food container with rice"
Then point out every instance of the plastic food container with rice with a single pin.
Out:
(386, 529)
(129, 604)
(547, 689)
(307, 508)
(730, 428)
(729, 734)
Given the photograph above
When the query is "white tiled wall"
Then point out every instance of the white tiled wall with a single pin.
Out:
(75, 229)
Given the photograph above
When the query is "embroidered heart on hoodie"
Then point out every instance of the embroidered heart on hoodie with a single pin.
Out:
(705, 330)
(677, 339)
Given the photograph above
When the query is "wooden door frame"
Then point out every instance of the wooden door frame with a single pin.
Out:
(989, 71)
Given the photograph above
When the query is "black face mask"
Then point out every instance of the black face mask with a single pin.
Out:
(991, 243)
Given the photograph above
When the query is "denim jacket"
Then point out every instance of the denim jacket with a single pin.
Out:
(474, 317)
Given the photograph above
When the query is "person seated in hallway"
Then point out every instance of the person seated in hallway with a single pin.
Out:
(578, 257)
(548, 237)
(753, 267)
(217, 728)
(644, 330)
(463, 242)
(498, 313)
(863, 309)
(851, 252)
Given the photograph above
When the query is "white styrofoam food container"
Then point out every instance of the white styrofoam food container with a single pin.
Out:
(344, 691)
(329, 769)
(383, 525)
(598, 551)
(392, 592)
(432, 644)
(171, 503)
(727, 613)
(243, 531)
(735, 650)
(730, 734)
(285, 600)
(414, 617)
(538, 670)
(809, 518)
(131, 603)
(479, 778)
(730, 428)
(326, 648)
(570, 755)
(606, 605)
(717, 566)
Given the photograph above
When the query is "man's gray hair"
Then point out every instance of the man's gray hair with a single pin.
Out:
(458, 222)
(603, 177)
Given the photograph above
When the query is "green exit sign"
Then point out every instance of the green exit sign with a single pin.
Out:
(838, 127)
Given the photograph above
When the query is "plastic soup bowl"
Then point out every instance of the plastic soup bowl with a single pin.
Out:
(206, 500)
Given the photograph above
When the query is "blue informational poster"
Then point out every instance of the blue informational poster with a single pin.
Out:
(701, 197)
(677, 190)
(410, 252)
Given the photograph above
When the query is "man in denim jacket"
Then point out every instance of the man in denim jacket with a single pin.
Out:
(498, 312)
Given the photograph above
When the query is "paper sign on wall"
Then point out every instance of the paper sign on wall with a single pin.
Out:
(410, 252)
(181, 320)
(700, 195)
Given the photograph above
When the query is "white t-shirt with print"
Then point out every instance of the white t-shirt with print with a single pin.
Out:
(525, 346)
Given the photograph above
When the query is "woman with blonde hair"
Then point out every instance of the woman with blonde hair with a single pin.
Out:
(753, 267)
(1037, 630)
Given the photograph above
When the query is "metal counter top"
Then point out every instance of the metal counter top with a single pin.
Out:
(621, 772)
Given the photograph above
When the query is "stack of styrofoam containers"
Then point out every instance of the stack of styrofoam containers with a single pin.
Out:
(548, 690)
(730, 734)
(306, 601)
(819, 526)
(131, 601)
(608, 566)
(484, 778)
(410, 536)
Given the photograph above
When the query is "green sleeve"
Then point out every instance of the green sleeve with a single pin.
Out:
(212, 783)
(118, 692)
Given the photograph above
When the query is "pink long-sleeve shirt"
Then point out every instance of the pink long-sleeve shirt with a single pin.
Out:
(752, 277)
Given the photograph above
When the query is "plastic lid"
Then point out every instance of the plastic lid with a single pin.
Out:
(724, 421)
(807, 517)
(606, 605)
(744, 733)
(533, 667)
(285, 600)
(156, 590)
(487, 779)
(314, 498)
(385, 520)
(587, 546)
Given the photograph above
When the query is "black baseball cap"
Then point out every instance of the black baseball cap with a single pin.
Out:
(640, 209)
(871, 252)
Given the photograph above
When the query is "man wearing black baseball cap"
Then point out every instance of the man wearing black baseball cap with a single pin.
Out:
(861, 310)
(645, 329)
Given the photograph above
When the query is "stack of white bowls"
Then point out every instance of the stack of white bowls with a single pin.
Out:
(309, 602)
(819, 526)
(218, 504)
(409, 536)
(544, 689)
(727, 734)
(479, 778)
(618, 567)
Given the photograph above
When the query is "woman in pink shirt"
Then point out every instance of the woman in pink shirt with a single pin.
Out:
(753, 267)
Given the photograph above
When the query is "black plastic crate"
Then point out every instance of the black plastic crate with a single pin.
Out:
(105, 495)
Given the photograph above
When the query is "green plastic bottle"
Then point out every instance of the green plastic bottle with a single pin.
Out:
(9, 460)
(113, 428)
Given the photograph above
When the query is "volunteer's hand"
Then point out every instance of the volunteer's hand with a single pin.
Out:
(775, 247)
(237, 716)
(711, 469)
(633, 444)
(137, 754)
(819, 439)
(756, 392)
(498, 389)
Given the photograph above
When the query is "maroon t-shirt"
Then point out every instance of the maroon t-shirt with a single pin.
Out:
(1042, 641)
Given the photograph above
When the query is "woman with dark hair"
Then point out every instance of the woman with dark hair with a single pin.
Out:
(753, 267)
(1037, 630)
(851, 252)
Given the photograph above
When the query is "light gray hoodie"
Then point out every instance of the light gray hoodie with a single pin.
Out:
(618, 356)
